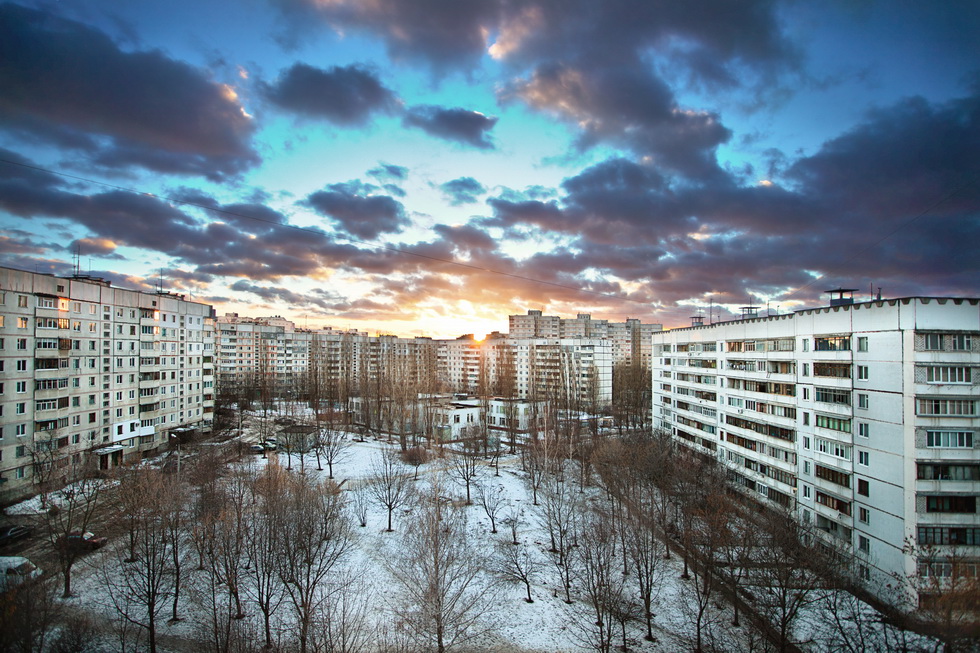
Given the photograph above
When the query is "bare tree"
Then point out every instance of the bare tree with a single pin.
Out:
(442, 581)
(517, 564)
(29, 613)
(559, 513)
(601, 582)
(465, 467)
(140, 594)
(491, 498)
(360, 500)
(788, 574)
(416, 457)
(341, 624)
(315, 535)
(71, 514)
(948, 590)
(265, 543)
(389, 485)
(334, 446)
(513, 519)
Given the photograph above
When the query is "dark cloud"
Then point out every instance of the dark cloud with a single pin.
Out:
(464, 190)
(70, 85)
(605, 68)
(631, 108)
(387, 172)
(458, 125)
(347, 95)
(445, 33)
(284, 297)
(355, 211)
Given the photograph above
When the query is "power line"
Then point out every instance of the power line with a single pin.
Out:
(318, 233)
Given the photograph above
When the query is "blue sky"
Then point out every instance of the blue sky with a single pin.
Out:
(429, 167)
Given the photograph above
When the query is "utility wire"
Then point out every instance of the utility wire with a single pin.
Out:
(322, 234)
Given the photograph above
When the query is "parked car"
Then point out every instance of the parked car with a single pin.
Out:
(83, 540)
(13, 533)
(271, 444)
(15, 570)
(257, 448)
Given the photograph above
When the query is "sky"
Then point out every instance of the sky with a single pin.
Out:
(429, 167)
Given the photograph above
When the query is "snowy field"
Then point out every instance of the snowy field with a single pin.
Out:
(509, 624)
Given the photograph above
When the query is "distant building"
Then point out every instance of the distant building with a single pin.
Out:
(94, 374)
(629, 340)
(862, 419)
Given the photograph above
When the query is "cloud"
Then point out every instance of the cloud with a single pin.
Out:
(464, 190)
(446, 34)
(457, 125)
(357, 212)
(388, 172)
(343, 95)
(628, 107)
(70, 85)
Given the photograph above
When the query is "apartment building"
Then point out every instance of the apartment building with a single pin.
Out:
(272, 353)
(576, 370)
(862, 418)
(630, 340)
(94, 374)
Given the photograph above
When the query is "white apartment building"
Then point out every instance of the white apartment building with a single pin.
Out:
(576, 370)
(271, 351)
(862, 418)
(92, 373)
(630, 340)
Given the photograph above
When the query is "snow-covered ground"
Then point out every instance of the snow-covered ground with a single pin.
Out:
(547, 625)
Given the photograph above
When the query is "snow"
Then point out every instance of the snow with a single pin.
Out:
(511, 624)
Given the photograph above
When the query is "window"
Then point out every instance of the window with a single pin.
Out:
(862, 343)
(961, 342)
(834, 423)
(22, 301)
(806, 491)
(21, 343)
(947, 472)
(832, 343)
(806, 369)
(833, 396)
(863, 401)
(957, 504)
(946, 407)
(20, 430)
(20, 408)
(863, 458)
(934, 341)
(21, 386)
(863, 372)
(949, 374)
(806, 419)
(864, 515)
(806, 467)
(864, 488)
(949, 439)
(864, 544)
(806, 393)
(864, 430)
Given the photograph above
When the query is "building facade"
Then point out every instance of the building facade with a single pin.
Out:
(91, 374)
(629, 340)
(860, 418)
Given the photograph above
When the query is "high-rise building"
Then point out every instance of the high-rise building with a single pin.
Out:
(92, 374)
(861, 418)
(629, 340)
